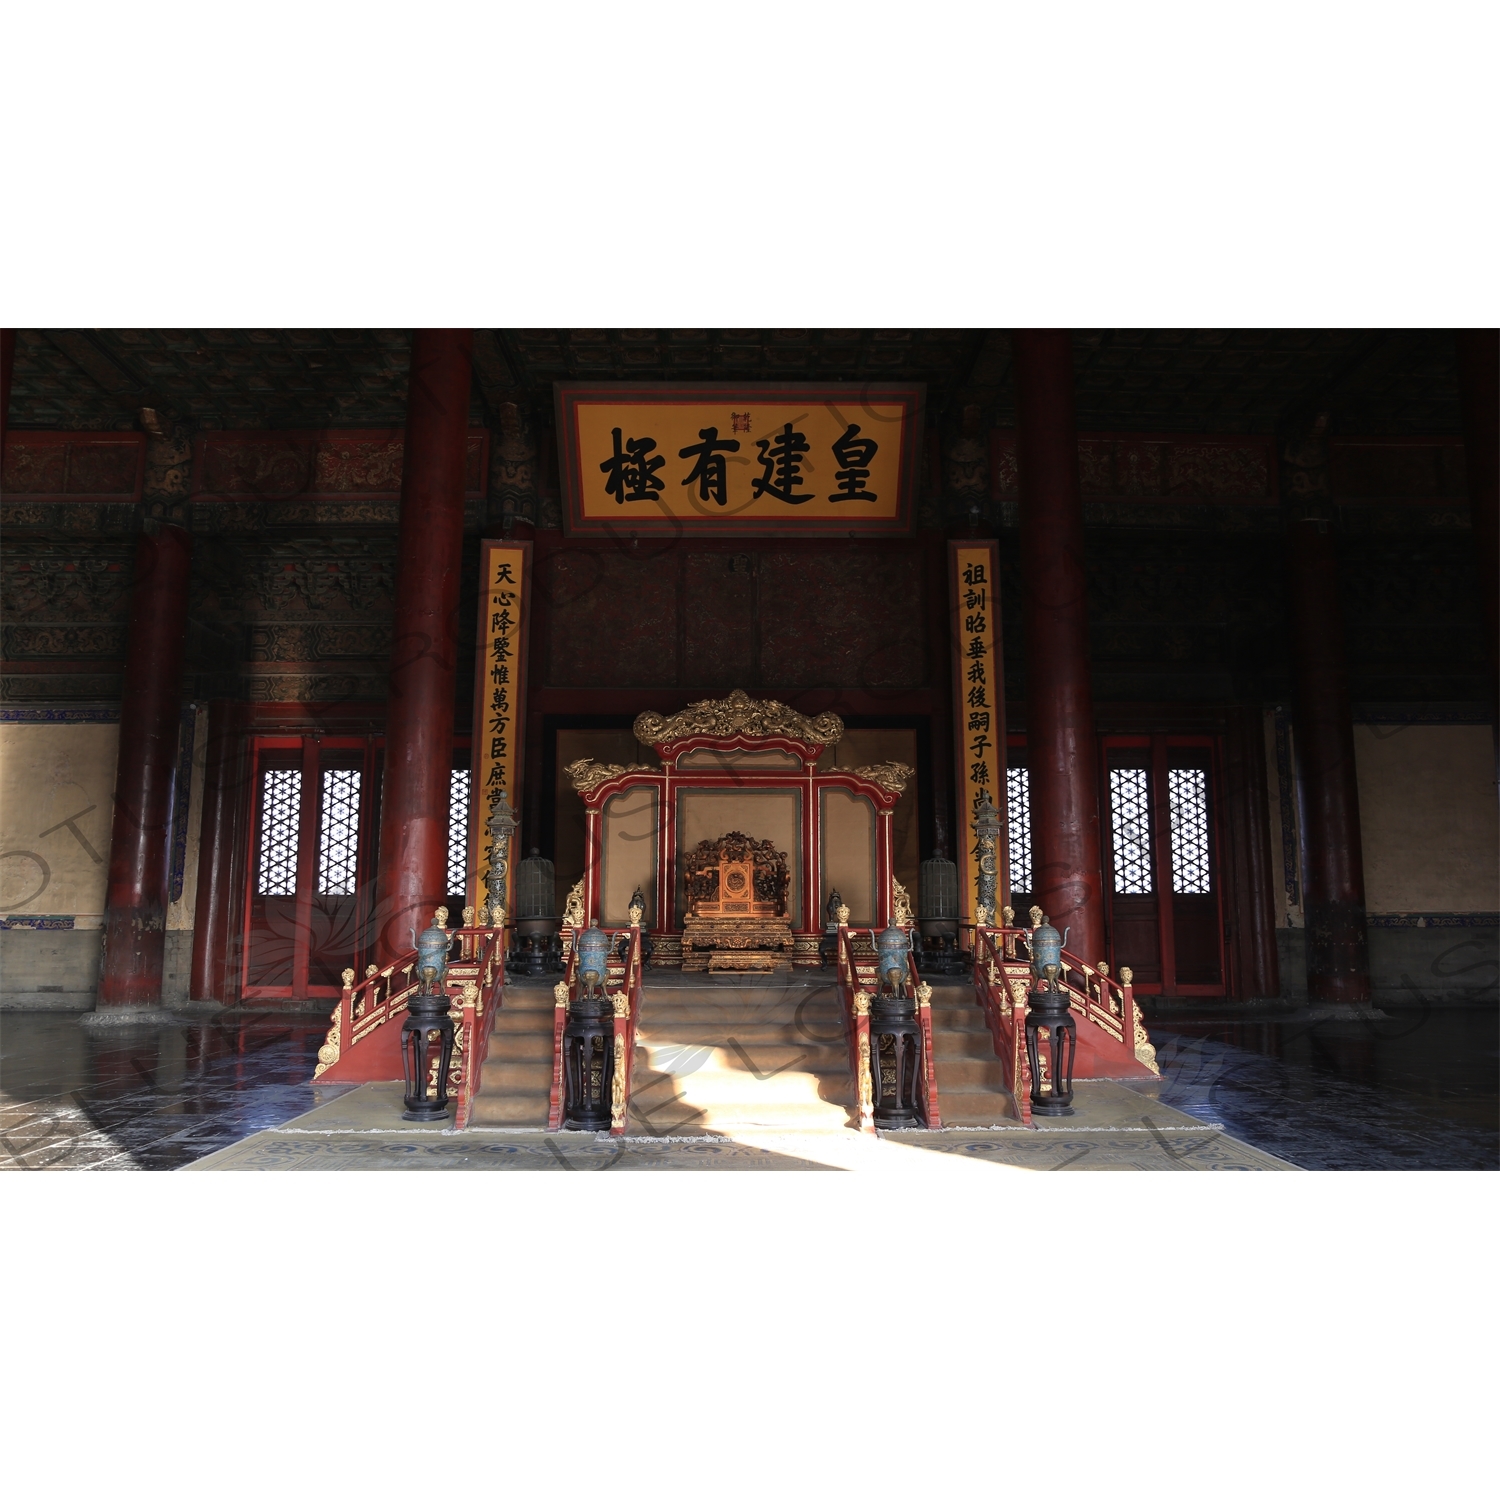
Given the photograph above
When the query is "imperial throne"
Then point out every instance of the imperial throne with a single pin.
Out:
(736, 918)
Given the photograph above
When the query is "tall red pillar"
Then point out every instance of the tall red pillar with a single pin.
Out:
(1479, 402)
(136, 903)
(412, 877)
(1060, 745)
(1338, 963)
(215, 945)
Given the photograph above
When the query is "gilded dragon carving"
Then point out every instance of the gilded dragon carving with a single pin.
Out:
(738, 714)
(586, 774)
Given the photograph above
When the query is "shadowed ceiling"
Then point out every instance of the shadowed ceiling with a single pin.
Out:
(1399, 382)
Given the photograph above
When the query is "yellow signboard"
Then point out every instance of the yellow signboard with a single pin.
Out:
(978, 705)
(738, 460)
(499, 701)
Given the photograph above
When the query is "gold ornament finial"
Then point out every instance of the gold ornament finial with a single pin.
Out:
(468, 916)
(1127, 976)
(560, 994)
(902, 914)
(843, 915)
(1009, 913)
(371, 970)
(1103, 967)
(440, 918)
(861, 1002)
(1038, 917)
(348, 978)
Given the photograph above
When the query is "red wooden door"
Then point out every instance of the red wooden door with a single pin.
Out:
(1163, 890)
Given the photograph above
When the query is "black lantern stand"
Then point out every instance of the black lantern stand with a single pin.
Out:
(426, 1017)
(895, 1055)
(1050, 1008)
(588, 1060)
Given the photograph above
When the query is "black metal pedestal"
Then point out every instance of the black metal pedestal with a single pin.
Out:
(1050, 1009)
(896, 1063)
(588, 1063)
(426, 1016)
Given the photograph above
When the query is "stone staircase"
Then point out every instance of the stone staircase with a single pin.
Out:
(515, 1084)
(970, 1081)
(721, 1054)
(732, 1052)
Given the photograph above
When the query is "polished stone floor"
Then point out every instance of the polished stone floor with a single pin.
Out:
(151, 1098)
(1417, 1091)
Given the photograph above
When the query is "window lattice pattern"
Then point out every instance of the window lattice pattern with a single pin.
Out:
(1130, 813)
(338, 835)
(458, 831)
(1187, 796)
(280, 807)
(1018, 823)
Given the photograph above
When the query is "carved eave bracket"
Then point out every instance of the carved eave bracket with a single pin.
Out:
(738, 722)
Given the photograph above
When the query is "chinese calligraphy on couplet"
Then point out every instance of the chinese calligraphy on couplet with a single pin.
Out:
(978, 698)
(495, 757)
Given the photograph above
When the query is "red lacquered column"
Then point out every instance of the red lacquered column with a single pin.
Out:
(1060, 745)
(1338, 964)
(136, 904)
(412, 878)
(1479, 400)
(213, 911)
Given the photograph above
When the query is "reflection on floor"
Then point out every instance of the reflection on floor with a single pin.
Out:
(152, 1098)
(1115, 1128)
(1417, 1091)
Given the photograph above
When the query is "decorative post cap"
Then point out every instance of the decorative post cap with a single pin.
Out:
(843, 916)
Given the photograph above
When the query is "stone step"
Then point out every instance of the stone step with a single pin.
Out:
(505, 1075)
(975, 1106)
(947, 1044)
(968, 1072)
(496, 1107)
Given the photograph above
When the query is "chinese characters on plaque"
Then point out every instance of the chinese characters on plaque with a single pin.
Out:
(823, 460)
(498, 697)
(978, 698)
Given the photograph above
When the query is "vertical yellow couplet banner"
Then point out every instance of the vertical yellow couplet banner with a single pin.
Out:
(499, 703)
(978, 705)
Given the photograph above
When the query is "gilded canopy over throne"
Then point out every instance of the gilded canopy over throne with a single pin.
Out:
(737, 917)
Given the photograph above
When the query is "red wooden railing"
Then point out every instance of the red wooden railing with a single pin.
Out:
(1002, 977)
(858, 979)
(363, 1046)
(624, 973)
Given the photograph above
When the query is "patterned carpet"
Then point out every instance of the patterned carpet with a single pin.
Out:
(1115, 1129)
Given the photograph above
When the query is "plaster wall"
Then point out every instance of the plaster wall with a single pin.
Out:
(629, 854)
(849, 853)
(1428, 817)
(57, 786)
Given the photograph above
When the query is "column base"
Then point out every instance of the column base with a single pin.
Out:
(125, 1015)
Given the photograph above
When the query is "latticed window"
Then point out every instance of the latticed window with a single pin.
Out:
(1018, 822)
(1187, 796)
(338, 834)
(280, 808)
(1130, 812)
(458, 830)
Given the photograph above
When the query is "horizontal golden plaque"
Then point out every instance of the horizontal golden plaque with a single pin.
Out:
(738, 460)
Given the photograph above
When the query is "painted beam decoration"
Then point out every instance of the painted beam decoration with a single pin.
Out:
(738, 460)
(978, 703)
(499, 700)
